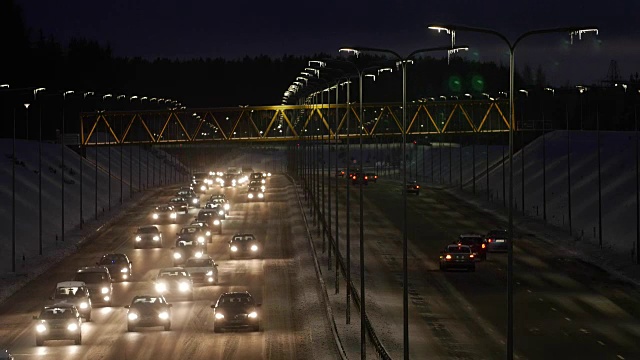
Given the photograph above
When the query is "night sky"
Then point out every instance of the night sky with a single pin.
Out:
(187, 29)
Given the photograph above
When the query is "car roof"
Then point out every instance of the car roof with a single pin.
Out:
(171, 269)
(93, 269)
(70, 284)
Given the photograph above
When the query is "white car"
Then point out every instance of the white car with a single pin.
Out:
(203, 270)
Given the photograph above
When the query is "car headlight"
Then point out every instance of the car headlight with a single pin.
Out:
(177, 255)
(221, 182)
(104, 290)
(155, 216)
(41, 328)
(203, 188)
(221, 212)
(195, 201)
(260, 195)
(216, 222)
(250, 196)
(208, 233)
(173, 215)
(124, 270)
(138, 238)
(234, 248)
(156, 238)
(201, 239)
(268, 174)
(183, 286)
(161, 287)
(209, 273)
(253, 315)
(254, 247)
(72, 327)
(226, 206)
(132, 316)
(264, 181)
(219, 316)
(163, 315)
(106, 298)
(84, 305)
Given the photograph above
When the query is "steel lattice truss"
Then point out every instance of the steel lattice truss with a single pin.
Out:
(291, 122)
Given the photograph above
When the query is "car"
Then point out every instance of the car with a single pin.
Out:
(358, 178)
(118, 264)
(188, 187)
(218, 196)
(373, 177)
(212, 217)
(203, 270)
(340, 173)
(457, 256)
(218, 207)
(186, 248)
(236, 310)
(194, 232)
(233, 170)
(6, 355)
(497, 240)
(245, 245)
(477, 243)
(202, 181)
(354, 170)
(257, 176)
(205, 226)
(165, 213)
(255, 193)
(174, 281)
(179, 204)
(192, 198)
(257, 183)
(226, 206)
(74, 293)
(98, 281)
(58, 322)
(146, 236)
(230, 180)
(413, 187)
(148, 311)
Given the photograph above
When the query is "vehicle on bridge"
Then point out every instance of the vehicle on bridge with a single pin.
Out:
(245, 245)
(373, 177)
(202, 181)
(98, 281)
(413, 187)
(230, 180)
(258, 183)
(185, 249)
(193, 199)
(179, 204)
(456, 257)
(146, 236)
(174, 281)
(211, 217)
(237, 310)
(217, 206)
(165, 213)
(118, 264)
(255, 193)
(148, 311)
(223, 202)
(358, 178)
(74, 293)
(497, 240)
(205, 226)
(258, 176)
(203, 270)
(58, 322)
(477, 243)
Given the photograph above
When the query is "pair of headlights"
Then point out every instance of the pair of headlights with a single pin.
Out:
(43, 327)
(253, 248)
(155, 238)
(132, 316)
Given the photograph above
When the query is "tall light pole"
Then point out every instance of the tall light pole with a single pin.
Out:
(402, 62)
(35, 97)
(451, 29)
(82, 150)
(64, 97)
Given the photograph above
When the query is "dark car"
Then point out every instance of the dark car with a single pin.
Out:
(180, 204)
(147, 236)
(226, 206)
(477, 243)
(119, 265)
(208, 231)
(245, 245)
(236, 310)
(203, 270)
(373, 177)
(255, 193)
(358, 178)
(194, 232)
(186, 248)
(202, 181)
(75, 293)
(257, 183)
(192, 198)
(218, 207)
(58, 322)
(212, 217)
(497, 240)
(98, 281)
(413, 187)
(165, 213)
(230, 180)
(174, 282)
(258, 176)
(457, 257)
(147, 311)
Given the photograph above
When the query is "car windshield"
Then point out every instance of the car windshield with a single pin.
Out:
(112, 259)
(189, 230)
(459, 249)
(147, 300)
(69, 292)
(199, 263)
(57, 313)
(184, 192)
(162, 208)
(92, 277)
(148, 230)
(236, 299)
(177, 200)
(172, 274)
(243, 238)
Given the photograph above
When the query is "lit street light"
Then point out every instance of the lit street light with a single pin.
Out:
(451, 29)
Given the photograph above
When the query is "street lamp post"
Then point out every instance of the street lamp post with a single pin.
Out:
(451, 29)
(64, 97)
(401, 61)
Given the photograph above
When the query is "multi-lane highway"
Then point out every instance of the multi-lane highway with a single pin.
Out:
(294, 324)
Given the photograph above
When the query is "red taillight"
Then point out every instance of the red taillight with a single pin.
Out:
(484, 246)
(448, 257)
(471, 256)
(375, 177)
(417, 186)
(490, 240)
(365, 178)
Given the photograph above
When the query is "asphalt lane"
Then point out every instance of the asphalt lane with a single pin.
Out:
(291, 325)
(564, 308)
